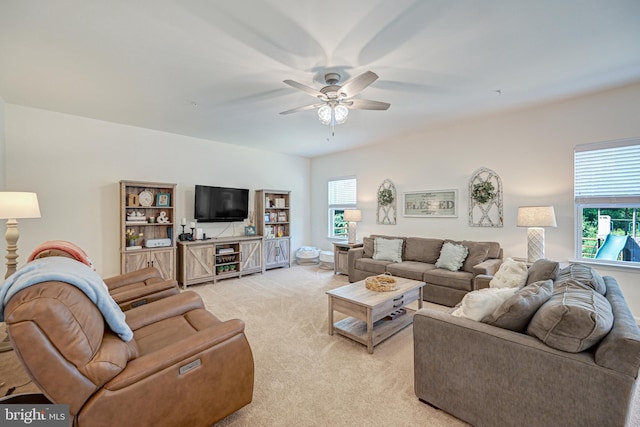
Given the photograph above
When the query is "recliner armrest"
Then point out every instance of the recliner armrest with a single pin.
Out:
(178, 351)
(131, 277)
(174, 305)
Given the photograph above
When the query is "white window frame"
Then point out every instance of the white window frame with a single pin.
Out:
(606, 176)
(340, 202)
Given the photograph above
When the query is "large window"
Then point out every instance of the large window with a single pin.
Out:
(342, 195)
(607, 201)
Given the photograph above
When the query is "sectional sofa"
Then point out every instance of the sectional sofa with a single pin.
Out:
(573, 360)
(418, 260)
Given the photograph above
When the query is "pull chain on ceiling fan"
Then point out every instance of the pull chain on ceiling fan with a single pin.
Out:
(335, 100)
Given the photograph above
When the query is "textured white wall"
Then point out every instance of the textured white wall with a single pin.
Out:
(75, 165)
(531, 149)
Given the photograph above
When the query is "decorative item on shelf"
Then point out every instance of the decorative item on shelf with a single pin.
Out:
(381, 283)
(132, 236)
(146, 198)
(250, 230)
(232, 267)
(136, 216)
(536, 217)
(485, 199)
(220, 269)
(387, 202)
(163, 199)
(280, 203)
(352, 216)
(163, 218)
(133, 201)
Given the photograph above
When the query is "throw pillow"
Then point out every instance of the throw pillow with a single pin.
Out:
(516, 312)
(583, 274)
(543, 269)
(387, 249)
(452, 256)
(511, 274)
(575, 318)
(476, 305)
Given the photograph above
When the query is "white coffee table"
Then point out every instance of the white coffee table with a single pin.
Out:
(374, 316)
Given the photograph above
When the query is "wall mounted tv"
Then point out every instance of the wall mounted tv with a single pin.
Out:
(221, 204)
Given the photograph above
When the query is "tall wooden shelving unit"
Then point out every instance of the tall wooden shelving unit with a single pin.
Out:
(273, 219)
(139, 202)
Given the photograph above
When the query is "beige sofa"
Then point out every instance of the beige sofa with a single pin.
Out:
(419, 257)
(491, 376)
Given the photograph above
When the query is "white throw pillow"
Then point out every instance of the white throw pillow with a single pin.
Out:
(387, 249)
(452, 256)
(511, 274)
(476, 305)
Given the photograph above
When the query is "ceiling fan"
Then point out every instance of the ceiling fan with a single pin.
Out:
(336, 100)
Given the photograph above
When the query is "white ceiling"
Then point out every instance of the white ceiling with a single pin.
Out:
(214, 69)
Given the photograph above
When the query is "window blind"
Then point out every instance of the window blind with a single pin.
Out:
(342, 192)
(607, 173)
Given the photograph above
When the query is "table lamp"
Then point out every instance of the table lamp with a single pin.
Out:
(352, 216)
(535, 218)
(14, 205)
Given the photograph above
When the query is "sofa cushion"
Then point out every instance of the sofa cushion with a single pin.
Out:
(516, 312)
(511, 274)
(478, 304)
(543, 269)
(452, 256)
(583, 274)
(461, 280)
(371, 265)
(477, 253)
(410, 269)
(387, 249)
(422, 249)
(575, 318)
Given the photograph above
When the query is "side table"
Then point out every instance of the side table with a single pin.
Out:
(341, 256)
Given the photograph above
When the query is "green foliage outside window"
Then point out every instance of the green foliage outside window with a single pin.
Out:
(339, 224)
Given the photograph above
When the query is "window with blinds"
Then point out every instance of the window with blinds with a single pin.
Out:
(342, 194)
(607, 200)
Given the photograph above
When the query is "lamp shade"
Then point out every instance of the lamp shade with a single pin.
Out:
(352, 215)
(15, 205)
(536, 216)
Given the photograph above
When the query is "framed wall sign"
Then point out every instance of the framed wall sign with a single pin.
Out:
(433, 203)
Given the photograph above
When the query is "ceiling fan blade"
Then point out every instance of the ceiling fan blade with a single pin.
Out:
(311, 91)
(304, 108)
(358, 84)
(366, 104)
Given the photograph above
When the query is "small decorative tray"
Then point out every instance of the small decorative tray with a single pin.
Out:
(381, 283)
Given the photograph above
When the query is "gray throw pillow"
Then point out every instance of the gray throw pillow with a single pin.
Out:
(516, 312)
(583, 274)
(543, 269)
(575, 318)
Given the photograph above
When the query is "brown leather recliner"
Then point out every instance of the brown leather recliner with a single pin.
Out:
(140, 287)
(184, 367)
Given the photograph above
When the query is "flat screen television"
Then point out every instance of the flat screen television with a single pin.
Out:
(221, 204)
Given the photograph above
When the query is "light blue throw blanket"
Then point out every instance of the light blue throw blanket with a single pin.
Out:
(75, 273)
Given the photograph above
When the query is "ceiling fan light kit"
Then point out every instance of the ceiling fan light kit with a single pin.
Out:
(335, 100)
